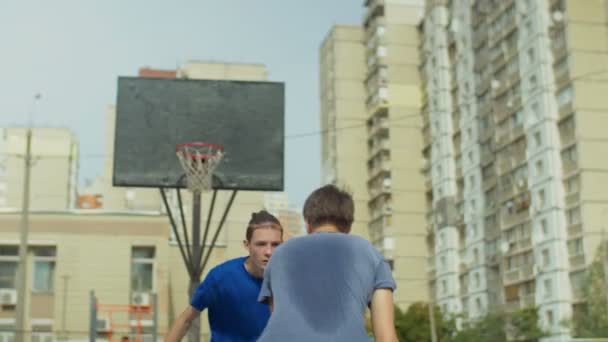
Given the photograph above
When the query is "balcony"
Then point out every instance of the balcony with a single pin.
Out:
(561, 78)
(377, 170)
(577, 261)
(528, 300)
(511, 276)
(379, 127)
(569, 167)
(375, 8)
(567, 138)
(575, 230)
(516, 218)
(565, 110)
(527, 271)
(572, 200)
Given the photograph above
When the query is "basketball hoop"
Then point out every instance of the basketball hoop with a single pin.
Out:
(199, 160)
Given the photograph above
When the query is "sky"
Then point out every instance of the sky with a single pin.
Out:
(72, 51)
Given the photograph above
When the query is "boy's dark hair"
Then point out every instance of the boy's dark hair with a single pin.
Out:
(262, 219)
(330, 205)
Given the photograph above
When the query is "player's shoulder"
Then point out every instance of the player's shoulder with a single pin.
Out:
(226, 267)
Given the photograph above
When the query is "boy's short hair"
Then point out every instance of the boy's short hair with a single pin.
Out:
(330, 205)
(262, 219)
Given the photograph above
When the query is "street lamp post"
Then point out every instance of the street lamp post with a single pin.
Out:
(24, 228)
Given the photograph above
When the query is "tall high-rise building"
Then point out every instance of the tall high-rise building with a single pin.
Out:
(370, 116)
(513, 110)
(343, 117)
(53, 168)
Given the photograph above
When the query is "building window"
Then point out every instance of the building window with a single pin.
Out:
(564, 96)
(570, 155)
(548, 288)
(543, 227)
(477, 280)
(575, 247)
(442, 260)
(142, 269)
(7, 332)
(9, 256)
(550, 318)
(539, 168)
(546, 257)
(574, 216)
(44, 269)
(536, 110)
(541, 199)
(571, 184)
(42, 333)
(531, 55)
(444, 286)
(537, 139)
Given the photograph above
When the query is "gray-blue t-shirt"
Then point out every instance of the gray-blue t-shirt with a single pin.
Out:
(320, 285)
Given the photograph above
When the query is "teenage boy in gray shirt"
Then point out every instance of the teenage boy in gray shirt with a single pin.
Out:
(318, 286)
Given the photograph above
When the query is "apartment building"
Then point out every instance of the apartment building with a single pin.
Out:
(370, 102)
(54, 168)
(343, 117)
(516, 186)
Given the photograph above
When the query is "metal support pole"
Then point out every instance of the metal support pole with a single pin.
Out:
(195, 276)
(93, 315)
(155, 316)
(24, 228)
(604, 257)
(64, 307)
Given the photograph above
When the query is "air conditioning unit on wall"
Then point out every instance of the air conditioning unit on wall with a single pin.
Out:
(141, 298)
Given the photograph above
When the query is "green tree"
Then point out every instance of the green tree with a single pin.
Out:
(414, 324)
(491, 327)
(591, 319)
(523, 326)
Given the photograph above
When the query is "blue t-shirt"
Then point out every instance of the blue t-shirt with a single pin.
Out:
(323, 282)
(230, 293)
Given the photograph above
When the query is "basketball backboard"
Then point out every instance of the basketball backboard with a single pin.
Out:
(154, 115)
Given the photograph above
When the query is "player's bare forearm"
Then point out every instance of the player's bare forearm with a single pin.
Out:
(382, 312)
(181, 325)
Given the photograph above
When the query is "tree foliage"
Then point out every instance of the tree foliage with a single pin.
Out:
(591, 318)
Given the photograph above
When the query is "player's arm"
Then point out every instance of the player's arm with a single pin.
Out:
(182, 324)
(382, 312)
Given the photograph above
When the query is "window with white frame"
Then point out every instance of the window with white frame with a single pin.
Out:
(44, 268)
(9, 257)
(7, 331)
(42, 333)
(142, 269)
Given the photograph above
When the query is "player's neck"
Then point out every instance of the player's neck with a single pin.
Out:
(327, 228)
(251, 269)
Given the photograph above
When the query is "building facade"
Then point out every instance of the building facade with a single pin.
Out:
(512, 105)
(370, 117)
(54, 156)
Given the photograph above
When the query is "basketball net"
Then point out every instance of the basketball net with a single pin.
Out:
(199, 161)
